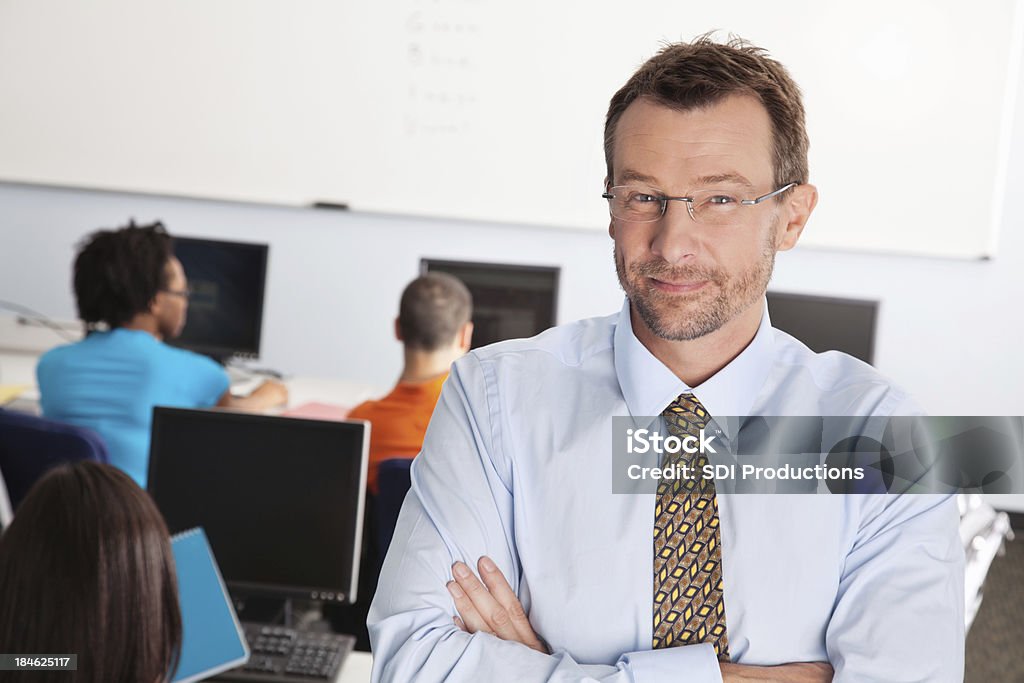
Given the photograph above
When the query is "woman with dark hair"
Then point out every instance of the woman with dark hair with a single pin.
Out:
(86, 569)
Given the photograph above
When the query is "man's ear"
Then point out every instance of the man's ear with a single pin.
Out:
(798, 208)
(155, 305)
(465, 338)
(611, 221)
(398, 331)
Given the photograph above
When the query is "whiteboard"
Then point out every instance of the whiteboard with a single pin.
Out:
(488, 110)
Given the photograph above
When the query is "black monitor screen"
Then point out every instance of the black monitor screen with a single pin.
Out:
(827, 324)
(509, 301)
(281, 499)
(225, 312)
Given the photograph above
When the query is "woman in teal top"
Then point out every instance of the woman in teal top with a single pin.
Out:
(132, 294)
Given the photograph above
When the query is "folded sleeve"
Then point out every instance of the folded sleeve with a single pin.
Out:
(899, 614)
(460, 507)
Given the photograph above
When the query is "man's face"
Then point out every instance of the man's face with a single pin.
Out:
(683, 278)
(171, 306)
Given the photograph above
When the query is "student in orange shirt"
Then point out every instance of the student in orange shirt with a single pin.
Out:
(434, 326)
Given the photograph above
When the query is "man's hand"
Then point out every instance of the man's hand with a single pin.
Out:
(491, 606)
(801, 672)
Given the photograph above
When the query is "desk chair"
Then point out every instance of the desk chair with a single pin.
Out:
(31, 445)
(392, 484)
(379, 526)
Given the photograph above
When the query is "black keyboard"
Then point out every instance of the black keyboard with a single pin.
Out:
(288, 654)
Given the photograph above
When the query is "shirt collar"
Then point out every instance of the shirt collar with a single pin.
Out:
(649, 386)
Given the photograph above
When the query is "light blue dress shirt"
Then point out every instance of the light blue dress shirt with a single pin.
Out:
(516, 465)
(110, 382)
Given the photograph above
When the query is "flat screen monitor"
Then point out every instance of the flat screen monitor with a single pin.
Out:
(225, 313)
(827, 324)
(281, 499)
(509, 301)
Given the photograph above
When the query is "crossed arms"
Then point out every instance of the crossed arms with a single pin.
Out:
(896, 603)
(488, 605)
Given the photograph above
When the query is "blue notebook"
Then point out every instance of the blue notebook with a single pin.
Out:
(212, 640)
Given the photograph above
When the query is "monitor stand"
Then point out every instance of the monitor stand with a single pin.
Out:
(264, 610)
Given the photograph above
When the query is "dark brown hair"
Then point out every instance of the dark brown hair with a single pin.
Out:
(687, 76)
(119, 272)
(434, 308)
(86, 568)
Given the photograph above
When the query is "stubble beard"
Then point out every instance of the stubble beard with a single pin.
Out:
(689, 316)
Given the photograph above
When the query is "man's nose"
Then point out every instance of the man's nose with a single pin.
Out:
(677, 238)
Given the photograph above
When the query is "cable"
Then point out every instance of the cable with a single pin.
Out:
(37, 317)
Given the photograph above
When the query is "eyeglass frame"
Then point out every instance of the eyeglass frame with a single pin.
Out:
(663, 201)
(185, 294)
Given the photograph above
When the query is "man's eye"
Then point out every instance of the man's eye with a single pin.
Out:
(721, 200)
(638, 198)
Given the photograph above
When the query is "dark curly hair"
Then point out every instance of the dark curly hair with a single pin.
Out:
(119, 272)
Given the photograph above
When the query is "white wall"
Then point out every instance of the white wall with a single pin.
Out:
(334, 278)
(950, 331)
(405, 106)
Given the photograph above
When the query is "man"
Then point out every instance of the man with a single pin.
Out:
(132, 294)
(706, 152)
(434, 327)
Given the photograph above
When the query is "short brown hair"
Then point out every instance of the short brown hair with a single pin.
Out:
(86, 568)
(433, 309)
(686, 76)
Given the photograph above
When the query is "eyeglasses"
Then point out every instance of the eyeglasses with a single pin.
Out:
(185, 294)
(640, 204)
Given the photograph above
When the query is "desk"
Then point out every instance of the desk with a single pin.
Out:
(339, 392)
(357, 668)
(20, 368)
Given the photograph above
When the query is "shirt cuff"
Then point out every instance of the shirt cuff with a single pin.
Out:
(690, 663)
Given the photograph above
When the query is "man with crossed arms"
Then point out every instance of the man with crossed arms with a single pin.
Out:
(706, 151)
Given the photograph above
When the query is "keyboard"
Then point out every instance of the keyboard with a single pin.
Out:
(287, 654)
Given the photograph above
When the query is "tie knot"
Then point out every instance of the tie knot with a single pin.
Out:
(686, 415)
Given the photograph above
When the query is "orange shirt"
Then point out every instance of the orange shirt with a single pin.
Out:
(398, 422)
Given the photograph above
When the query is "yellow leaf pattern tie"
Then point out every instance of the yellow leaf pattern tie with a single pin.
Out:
(689, 605)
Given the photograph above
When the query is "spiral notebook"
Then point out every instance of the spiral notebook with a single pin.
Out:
(212, 638)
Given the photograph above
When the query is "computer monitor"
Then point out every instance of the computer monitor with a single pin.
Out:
(509, 301)
(281, 499)
(827, 324)
(225, 313)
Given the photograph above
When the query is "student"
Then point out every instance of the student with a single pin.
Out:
(707, 179)
(434, 327)
(132, 295)
(86, 569)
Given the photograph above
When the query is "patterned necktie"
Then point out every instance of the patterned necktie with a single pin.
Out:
(689, 606)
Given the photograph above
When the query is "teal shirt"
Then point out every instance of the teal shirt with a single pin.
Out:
(110, 382)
